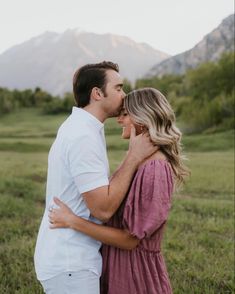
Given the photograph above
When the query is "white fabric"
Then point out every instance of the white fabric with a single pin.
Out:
(83, 282)
(77, 163)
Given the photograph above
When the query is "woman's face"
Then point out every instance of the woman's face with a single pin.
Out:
(125, 121)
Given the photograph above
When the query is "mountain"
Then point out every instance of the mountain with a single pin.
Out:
(210, 48)
(50, 60)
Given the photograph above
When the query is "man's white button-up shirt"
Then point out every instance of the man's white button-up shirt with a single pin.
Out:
(77, 163)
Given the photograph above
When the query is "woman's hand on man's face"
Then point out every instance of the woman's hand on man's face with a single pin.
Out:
(60, 217)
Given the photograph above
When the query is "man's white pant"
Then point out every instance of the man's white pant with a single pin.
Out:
(82, 282)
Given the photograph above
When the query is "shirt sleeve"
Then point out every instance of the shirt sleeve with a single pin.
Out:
(149, 200)
(88, 163)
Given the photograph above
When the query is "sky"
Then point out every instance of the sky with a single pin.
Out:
(167, 25)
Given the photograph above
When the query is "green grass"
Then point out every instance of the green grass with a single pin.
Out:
(210, 142)
(198, 244)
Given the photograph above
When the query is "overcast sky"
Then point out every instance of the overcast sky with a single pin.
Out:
(168, 25)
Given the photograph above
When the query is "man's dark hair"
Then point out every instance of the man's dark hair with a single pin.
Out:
(89, 76)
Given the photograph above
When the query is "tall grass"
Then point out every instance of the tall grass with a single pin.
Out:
(198, 244)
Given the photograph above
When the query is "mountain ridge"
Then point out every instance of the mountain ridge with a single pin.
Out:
(49, 60)
(210, 48)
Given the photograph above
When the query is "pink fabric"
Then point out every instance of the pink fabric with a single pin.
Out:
(144, 214)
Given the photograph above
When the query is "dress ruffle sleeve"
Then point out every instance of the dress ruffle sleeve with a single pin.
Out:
(149, 199)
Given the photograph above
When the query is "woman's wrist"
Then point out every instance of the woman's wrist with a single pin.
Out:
(73, 221)
(70, 221)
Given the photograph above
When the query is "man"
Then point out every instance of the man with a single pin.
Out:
(67, 261)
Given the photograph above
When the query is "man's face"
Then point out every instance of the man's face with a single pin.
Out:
(113, 100)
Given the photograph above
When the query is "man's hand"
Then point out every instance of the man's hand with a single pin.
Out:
(141, 146)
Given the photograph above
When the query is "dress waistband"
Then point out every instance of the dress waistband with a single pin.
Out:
(157, 251)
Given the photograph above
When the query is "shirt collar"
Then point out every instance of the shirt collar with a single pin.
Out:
(87, 116)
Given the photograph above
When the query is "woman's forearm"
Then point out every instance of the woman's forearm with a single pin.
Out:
(107, 235)
(63, 217)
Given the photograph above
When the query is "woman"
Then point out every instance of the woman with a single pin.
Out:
(132, 259)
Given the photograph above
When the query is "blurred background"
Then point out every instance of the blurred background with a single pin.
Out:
(183, 48)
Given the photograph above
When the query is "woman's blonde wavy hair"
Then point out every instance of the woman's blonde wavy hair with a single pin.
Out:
(149, 108)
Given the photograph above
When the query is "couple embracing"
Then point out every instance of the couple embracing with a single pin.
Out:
(103, 234)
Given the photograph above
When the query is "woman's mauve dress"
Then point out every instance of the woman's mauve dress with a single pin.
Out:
(144, 214)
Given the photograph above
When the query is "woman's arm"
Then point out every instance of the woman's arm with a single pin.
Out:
(65, 218)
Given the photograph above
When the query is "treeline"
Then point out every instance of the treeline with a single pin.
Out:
(15, 99)
(202, 98)
(11, 100)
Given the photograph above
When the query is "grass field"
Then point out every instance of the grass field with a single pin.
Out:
(198, 244)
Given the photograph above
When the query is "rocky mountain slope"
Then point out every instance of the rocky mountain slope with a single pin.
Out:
(49, 60)
(210, 48)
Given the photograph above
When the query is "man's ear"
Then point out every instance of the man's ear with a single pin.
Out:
(96, 94)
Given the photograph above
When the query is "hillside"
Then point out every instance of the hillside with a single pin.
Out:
(210, 48)
(49, 60)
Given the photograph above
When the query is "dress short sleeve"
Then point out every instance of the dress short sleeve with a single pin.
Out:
(149, 199)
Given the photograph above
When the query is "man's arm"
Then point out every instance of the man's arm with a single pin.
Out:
(104, 201)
